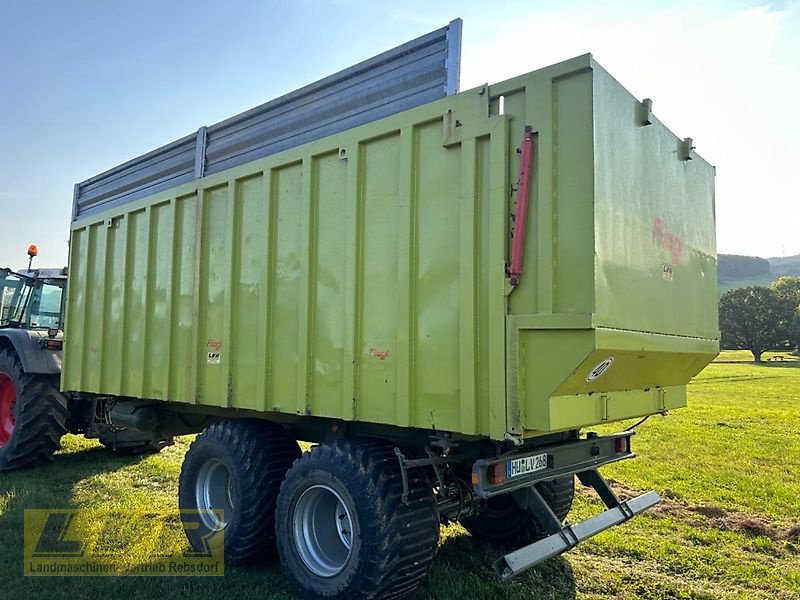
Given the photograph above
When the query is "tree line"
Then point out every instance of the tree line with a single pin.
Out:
(759, 318)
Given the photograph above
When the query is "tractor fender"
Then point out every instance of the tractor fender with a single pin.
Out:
(34, 359)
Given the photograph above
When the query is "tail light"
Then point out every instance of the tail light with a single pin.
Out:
(497, 473)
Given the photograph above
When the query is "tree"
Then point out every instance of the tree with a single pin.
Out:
(789, 287)
(755, 319)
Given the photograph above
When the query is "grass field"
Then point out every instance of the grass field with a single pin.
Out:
(728, 467)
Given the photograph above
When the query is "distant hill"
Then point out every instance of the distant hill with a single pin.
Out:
(734, 271)
(733, 266)
(788, 265)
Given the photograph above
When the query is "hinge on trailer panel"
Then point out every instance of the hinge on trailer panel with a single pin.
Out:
(662, 399)
(646, 112)
(509, 288)
(467, 118)
(450, 133)
(604, 399)
(685, 148)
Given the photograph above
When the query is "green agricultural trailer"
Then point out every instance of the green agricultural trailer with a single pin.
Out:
(441, 291)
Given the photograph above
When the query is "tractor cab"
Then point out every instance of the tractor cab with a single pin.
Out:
(32, 299)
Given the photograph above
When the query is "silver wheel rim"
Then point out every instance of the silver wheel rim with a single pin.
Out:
(214, 492)
(323, 530)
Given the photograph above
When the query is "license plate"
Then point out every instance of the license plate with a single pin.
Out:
(523, 466)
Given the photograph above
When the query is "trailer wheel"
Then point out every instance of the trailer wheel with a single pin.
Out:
(343, 529)
(506, 522)
(236, 466)
(33, 415)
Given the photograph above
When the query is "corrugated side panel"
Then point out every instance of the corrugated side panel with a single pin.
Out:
(358, 277)
(415, 73)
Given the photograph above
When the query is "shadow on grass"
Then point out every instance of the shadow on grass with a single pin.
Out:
(49, 485)
(52, 485)
(462, 568)
(45, 486)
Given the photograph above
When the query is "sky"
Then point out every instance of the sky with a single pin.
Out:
(88, 84)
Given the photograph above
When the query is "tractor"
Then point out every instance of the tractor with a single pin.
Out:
(34, 413)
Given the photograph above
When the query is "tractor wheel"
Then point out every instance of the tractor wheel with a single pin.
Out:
(506, 522)
(343, 529)
(235, 466)
(33, 415)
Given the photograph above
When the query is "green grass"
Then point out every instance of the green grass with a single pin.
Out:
(729, 467)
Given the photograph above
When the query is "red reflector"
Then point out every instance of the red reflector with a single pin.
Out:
(53, 344)
(497, 473)
(622, 445)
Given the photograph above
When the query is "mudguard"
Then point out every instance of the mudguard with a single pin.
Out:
(28, 346)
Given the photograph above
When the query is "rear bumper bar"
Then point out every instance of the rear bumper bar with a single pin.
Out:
(564, 458)
(569, 536)
(517, 472)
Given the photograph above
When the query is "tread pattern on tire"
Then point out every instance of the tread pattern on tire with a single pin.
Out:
(558, 494)
(41, 415)
(518, 527)
(261, 452)
(403, 536)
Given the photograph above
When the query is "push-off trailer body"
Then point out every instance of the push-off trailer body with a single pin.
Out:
(363, 276)
(440, 290)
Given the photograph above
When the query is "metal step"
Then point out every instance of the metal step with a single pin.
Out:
(566, 537)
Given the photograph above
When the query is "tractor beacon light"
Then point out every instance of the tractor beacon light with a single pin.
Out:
(32, 251)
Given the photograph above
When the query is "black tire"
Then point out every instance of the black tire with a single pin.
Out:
(506, 522)
(36, 413)
(251, 456)
(392, 543)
